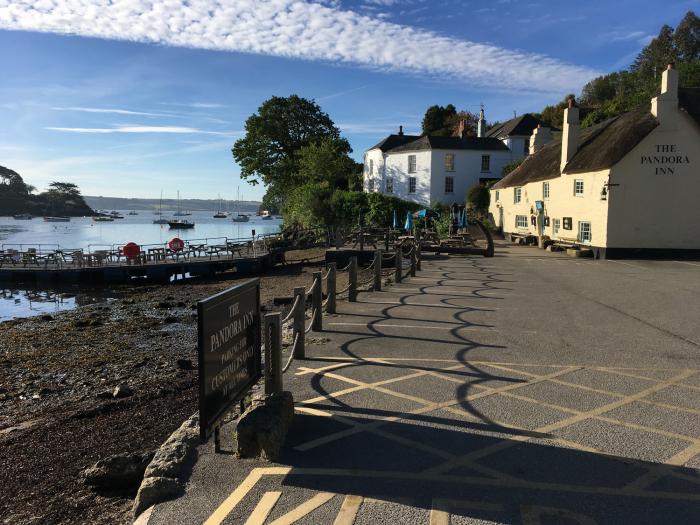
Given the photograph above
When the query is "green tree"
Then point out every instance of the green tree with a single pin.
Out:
(686, 38)
(66, 189)
(438, 120)
(326, 162)
(479, 198)
(656, 55)
(274, 135)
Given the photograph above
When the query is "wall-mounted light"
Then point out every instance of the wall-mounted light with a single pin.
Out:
(604, 194)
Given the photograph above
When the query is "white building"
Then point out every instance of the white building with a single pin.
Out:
(428, 169)
(627, 187)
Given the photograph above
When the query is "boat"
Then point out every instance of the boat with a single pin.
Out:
(180, 224)
(56, 219)
(161, 220)
(266, 215)
(239, 217)
(115, 215)
(220, 214)
(103, 218)
(22, 217)
(133, 212)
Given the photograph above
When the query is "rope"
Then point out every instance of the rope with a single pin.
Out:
(325, 277)
(291, 312)
(345, 268)
(366, 282)
(308, 328)
(291, 355)
(313, 287)
(347, 288)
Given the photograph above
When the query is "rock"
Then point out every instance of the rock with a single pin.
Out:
(122, 390)
(156, 490)
(170, 319)
(46, 317)
(106, 394)
(120, 472)
(184, 364)
(262, 429)
(163, 305)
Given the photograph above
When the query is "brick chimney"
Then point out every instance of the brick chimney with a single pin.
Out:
(570, 134)
(540, 136)
(664, 105)
(481, 124)
(400, 131)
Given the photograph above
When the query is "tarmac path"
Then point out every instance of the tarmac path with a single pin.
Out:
(526, 388)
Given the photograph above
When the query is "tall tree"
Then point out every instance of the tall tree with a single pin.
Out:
(686, 38)
(654, 57)
(327, 163)
(437, 120)
(274, 135)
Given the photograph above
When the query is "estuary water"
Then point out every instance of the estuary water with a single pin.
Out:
(83, 232)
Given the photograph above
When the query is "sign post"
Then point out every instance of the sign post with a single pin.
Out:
(230, 360)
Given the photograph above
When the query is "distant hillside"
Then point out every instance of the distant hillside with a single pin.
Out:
(119, 203)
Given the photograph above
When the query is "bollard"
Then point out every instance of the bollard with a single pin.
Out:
(418, 256)
(317, 303)
(398, 255)
(273, 353)
(378, 271)
(300, 322)
(331, 287)
(413, 261)
(352, 277)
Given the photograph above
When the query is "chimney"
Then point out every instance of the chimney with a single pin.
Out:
(462, 129)
(666, 103)
(570, 134)
(481, 123)
(540, 136)
(400, 131)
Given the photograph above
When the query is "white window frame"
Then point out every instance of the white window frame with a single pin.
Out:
(545, 190)
(449, 166)
(587, 239)
(370, 185)
(517, 195)
(412, 183)
(556, 226)
(522, 224)
(485, 163)
(412, 164)
(578, 184)
(451, 184)
(498, 196)
(390, 184)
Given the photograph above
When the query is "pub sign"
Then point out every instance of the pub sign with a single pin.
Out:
(228, 330)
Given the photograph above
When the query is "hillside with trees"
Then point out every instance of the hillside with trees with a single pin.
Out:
(61, 198)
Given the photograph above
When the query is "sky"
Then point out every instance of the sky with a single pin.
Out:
(130, 97)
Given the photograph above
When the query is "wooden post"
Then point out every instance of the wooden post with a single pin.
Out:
(413, 261)
(418, 256)
(300, 322)
(273, 353)
(331, 287)
(397, 261)
(386, 240)
(352, 276)
(377, 270)
(362, 236)
(317, 302)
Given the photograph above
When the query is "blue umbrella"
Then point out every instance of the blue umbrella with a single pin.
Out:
(409, 222)
(421, 213)
(463, 219)
(395, 224)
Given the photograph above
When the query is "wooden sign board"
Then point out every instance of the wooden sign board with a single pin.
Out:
(230, 360)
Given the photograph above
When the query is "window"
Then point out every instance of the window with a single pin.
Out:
(411, 163)
(371, 166)
(521, 221)
(411, 185)
(498, 196)
(370, 185)
(449, 162)
(517, 195)
(486, 163)
(545, 190)
(390, 185)
(556, 224)
(578, 188)
(449, 184)
(584, 232)
(567, 223)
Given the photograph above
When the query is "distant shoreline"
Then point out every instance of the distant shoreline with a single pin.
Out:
(123, 203)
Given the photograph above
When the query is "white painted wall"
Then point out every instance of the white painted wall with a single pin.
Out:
(377, 175)
(397, 167)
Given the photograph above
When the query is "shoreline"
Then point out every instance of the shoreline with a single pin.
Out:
(58, 372)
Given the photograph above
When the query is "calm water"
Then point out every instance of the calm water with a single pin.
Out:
(82, 232)
(23, 301)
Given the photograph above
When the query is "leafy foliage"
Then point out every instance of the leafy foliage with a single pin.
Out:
(445, 121)
(479, 198)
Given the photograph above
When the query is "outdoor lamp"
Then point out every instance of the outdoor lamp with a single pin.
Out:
(604, 193)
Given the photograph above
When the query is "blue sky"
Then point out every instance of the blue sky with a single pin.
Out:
(144, 96)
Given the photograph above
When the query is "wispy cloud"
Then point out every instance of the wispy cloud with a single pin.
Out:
(298, 29)
(113, 111)
(140, 129)
(196, 105)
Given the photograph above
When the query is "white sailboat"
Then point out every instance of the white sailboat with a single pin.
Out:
(220, 214)
(239, 217)
(160, 211)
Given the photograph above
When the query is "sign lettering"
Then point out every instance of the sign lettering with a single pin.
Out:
(665, 159)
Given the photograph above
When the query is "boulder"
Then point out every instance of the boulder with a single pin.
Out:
(156, 490)
(120, 472)
(122, 390)
(184, 364)
(262, 429)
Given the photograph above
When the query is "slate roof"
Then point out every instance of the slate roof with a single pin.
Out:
(601, 147)
(393, 141)
(430, 142)
(521, 126)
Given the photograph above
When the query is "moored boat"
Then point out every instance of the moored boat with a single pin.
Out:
(56, 219)
(180, 224)
(22, 217)
(103, 218)
(240, 218)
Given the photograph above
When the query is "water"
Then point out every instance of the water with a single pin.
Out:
(83, 233)
(23, 301)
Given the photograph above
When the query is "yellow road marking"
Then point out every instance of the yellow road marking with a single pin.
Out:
(305, 508)
(263, 508)
(348, 511)
(441, 508)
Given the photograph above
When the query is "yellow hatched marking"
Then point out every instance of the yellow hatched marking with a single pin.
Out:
(305, 508)
(348, 511)
(263, 508)
(441, 509)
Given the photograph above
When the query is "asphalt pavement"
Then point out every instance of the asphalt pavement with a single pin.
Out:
(526, 388)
